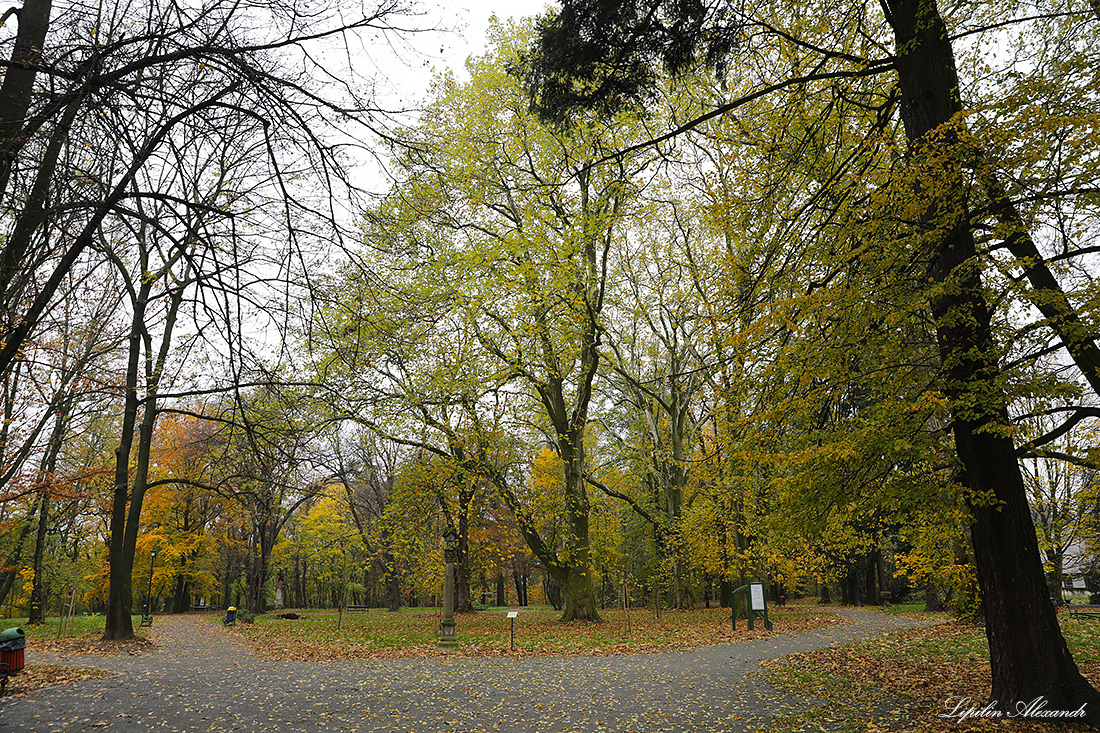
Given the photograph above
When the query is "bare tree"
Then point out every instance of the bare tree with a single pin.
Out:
(198, 149)
(79, 78)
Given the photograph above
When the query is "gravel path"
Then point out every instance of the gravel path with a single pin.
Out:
(201, 677)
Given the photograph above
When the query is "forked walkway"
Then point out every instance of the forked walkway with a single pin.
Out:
(202, 678)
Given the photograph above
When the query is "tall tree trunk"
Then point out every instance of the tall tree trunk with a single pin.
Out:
(873, 598)
(1028, 655)
(577, 579)
(517, 580)
(552, 590)
(265, 535)
(18, 86)
(880, 569)
(37, 613)
(226, 583)
(1054, 581)
(119, 625)
(463, 602)
(180, 601)
(393, 583)
(257, 579)
(125, 520)
(931, 597)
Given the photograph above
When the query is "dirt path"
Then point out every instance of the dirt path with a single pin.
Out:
(202, 677)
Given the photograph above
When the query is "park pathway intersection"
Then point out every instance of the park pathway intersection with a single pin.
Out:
(201, 677)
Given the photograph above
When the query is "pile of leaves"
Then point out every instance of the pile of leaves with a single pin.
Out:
(37, 676)
(93, 647)
(905, 681)
(81, 637)
(412, 633)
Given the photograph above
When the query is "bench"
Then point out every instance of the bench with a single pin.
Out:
(202, 607)
(1086, 611)
(354, 609)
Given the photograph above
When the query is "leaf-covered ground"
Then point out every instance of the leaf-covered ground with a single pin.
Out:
(905, 681)
(412, 633)
(81, 636)
(36, 676)
(199, 676)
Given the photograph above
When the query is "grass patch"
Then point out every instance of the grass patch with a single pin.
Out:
(413, 633)
(82, 635)
(902, 681)
(84, 626)
(908, 609)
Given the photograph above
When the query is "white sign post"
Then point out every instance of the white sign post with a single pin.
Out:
(512, 615)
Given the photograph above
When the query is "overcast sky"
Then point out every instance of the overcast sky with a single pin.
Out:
(470, 20)
(403, 71)
(475, 16)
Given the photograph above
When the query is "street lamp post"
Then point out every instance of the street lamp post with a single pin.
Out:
(147, 619)
(447, 638)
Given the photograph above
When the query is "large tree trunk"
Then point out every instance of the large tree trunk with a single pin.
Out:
(18, 86)
(37, 613)
(520, 581)
(1028, 656)
(266, 534)
(119, 625)
(463, 602)
(931, 597)
(578, 596)
(577, 580)
(181, 598)
(871, 576)
(1057, 575)
(125, 521)
(393, 584)
(48, 467)
(257, 579)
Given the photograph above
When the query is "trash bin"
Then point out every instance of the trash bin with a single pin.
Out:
(230, 615)
(12, 644)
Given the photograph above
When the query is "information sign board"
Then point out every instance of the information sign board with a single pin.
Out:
(756, 596)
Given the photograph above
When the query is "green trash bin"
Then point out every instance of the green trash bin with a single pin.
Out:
(11, 634)
(12, 643)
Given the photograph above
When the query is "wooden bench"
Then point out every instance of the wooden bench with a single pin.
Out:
(202, 607)
(355, 609)
(1086, 611)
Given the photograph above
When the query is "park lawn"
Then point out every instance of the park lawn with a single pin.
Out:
(412, 632)
(903, 681)
(82, 635)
